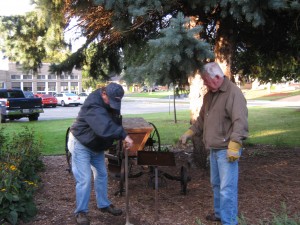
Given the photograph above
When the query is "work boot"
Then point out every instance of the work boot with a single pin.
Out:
(212, 217)
(112, 210)
(82, 219)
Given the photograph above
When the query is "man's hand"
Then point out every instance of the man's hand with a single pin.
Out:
(128, 142)
(186, 136)
(233, 152)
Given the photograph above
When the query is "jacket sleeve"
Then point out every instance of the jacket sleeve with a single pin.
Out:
(102, 124)
(239, 117)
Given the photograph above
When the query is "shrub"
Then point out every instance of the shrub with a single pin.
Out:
(19, 166)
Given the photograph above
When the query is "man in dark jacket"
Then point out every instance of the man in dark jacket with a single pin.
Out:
(93, 131)
(223, 121)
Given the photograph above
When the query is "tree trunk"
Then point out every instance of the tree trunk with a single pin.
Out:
(197, 91)
(174, 105)
(225, 46)
(224, 49)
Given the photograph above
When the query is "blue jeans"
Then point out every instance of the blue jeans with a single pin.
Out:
(84, 162)
(224, 180)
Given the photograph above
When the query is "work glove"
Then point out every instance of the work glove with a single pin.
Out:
(233, 151)
(128, 142)
(187, 135)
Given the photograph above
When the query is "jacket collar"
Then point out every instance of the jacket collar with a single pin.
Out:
(225, 84)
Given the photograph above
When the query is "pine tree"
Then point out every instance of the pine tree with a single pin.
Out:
(35, 37)
(147, 38)
(232, 28)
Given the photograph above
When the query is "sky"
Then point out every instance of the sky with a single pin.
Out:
(14, 7)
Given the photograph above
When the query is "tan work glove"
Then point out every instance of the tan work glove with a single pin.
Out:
(187, 135)
(128, 142)
(233, 151)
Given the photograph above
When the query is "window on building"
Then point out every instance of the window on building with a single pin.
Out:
(40, 87)
(2, 85)
(64, 76)
(41, 77)
(51, 77)
(64, 87)
(74, 87)
(74, 77)
(27, 77)
(15, 77)
(52, 86)
(16, 85)
(27, 86)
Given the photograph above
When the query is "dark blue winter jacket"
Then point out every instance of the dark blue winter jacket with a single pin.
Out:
(97, 125)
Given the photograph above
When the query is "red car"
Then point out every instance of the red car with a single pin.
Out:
(47, 100)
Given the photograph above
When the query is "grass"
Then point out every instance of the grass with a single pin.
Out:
(263, 94)
(266, 95)
(51, 133)
(273, 126)
(156, 94)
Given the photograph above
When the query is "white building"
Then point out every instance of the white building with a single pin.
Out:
(44, 82)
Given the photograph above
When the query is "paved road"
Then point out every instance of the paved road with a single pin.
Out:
(151, 105)
(129, 106)
(291, 102)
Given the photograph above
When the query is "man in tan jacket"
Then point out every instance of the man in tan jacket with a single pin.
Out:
(223, 121)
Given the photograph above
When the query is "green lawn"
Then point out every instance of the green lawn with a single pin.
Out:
(156, 94)
(51, 133)
(274, 126)
(271, 96)
(249, 94)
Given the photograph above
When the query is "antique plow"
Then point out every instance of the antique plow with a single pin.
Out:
(146, 150)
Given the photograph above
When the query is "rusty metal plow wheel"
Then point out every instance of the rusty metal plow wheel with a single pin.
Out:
(184, 179)
(131, 163)
(162, 182)
(153, 142)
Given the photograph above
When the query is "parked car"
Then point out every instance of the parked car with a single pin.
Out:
(83, 96)
(144, 89)
(47, 100)
(65, 99)
(28, 94)
(14, 105)
(147, 89)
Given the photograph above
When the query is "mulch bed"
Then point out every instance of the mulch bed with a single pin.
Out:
(269, 178)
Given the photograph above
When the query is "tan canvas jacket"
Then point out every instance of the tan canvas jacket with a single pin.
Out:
(223, 117)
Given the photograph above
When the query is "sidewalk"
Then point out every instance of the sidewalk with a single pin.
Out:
(157, 100)
(290, 99)
(293, 101)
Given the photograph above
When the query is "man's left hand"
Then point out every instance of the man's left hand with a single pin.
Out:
(128, 142)
(233, 151)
